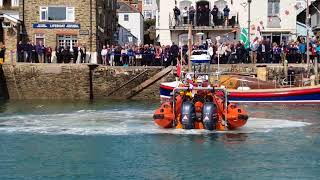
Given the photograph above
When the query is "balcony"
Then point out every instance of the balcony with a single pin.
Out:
(206, 24)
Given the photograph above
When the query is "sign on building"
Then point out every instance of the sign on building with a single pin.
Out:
(56, 26)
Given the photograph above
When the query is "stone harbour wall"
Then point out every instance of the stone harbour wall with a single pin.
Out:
(47, 81)
(72, 81)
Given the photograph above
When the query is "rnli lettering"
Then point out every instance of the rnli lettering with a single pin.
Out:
(56, 26)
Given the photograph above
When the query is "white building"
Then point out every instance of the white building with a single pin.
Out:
(131, 19)
(272, 19)
(149, 9)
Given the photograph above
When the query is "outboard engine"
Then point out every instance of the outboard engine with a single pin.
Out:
(209, 115)
(188, 115)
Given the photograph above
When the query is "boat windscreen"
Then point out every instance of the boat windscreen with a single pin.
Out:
(199, 52)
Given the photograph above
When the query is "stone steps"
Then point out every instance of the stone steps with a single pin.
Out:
(148, 82)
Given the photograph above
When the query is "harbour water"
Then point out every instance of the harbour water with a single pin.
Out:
(118, 140)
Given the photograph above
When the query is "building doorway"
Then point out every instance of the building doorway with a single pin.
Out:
(203, 16)
(40, 38)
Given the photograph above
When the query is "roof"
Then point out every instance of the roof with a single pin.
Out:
(127, 31)
(11, 17)
(302, 15)
(126, 8)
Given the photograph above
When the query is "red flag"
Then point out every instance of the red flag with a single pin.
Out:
(178, 69)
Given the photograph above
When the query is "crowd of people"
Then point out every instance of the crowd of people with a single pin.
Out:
(262, 51)
(203, 16)
(231, 52)
(39, 53)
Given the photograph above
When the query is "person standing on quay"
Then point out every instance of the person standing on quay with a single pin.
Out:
(20, 51)
(104, 53)
(31, 48)
(48, 53)
(83, 52)
(75, 53)
(40, 50)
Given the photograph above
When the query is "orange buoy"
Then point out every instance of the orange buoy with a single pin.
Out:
(236, 116)
(163, 116)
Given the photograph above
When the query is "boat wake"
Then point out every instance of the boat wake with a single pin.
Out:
(117, 122)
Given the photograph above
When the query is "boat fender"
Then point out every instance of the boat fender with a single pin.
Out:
(188, 115)
(209, 114)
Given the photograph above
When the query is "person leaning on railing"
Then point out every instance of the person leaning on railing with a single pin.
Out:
(177, 13)
(192, 12)
(214, 13)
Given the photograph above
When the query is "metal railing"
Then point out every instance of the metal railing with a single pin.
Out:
(297, 80)
(181, 21)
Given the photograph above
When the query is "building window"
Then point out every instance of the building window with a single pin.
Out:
(126, 17)
(273, 7)
(14, 3)
(52, 13)
(147, 2)
(67, 41)
(147, 14)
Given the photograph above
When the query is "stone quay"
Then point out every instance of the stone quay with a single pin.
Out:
(20, 81)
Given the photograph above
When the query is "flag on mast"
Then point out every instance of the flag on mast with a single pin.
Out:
(244, 37)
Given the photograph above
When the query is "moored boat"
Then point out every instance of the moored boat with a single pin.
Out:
(308, 94)
(262, 94)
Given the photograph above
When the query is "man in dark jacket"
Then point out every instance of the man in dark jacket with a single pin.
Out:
(75, 53)
(177, 13)
(206, 15)
(30, 52)
(192, 12)
(83, 54)
(214, 13)
(20, 51)
(174, 53)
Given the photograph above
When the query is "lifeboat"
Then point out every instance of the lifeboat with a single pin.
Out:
(200, 108)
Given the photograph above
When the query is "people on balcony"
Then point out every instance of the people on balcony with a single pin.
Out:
(214, 13)
(185, 15)
(226, 12)
(177, 13)
(192, 12)
(202, 16)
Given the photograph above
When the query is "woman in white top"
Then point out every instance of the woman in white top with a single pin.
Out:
(104, 53)
(185, 15)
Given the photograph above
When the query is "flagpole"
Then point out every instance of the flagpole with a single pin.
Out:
(307, 39)
(190, 47)
(249, 24)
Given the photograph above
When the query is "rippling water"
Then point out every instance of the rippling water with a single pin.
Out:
(118, 140)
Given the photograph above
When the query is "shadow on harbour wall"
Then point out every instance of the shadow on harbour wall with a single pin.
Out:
(3, 86)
